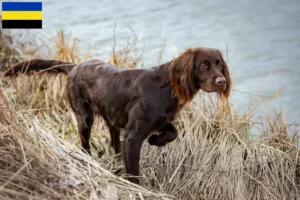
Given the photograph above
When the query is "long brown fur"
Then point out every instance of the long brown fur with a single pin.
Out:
(182, 77)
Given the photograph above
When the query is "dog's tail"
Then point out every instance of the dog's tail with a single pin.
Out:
(52, 66)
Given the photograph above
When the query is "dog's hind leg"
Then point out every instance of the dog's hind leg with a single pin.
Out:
(85, 120)
(78, 96)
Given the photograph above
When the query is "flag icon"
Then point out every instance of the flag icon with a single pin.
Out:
(22, 15)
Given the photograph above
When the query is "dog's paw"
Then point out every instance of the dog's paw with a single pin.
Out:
(87, 151)
(153, 140)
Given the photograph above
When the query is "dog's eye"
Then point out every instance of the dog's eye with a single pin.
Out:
(206, 62)
(205, 65)
(220, 66)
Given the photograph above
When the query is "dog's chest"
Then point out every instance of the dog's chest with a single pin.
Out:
(171, 110)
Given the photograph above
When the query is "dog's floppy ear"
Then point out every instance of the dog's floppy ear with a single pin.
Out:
(226, 93)
(182, 77)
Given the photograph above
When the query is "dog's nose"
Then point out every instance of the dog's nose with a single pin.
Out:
(220, 81)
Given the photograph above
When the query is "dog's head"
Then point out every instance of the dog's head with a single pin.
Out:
(199, 68)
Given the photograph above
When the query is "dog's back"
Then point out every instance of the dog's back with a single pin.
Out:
(108, 89)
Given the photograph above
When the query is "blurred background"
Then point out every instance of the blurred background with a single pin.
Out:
(260, 39)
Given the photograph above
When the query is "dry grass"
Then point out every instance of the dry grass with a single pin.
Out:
(128, 56)
(213, 157)
(8, 54)
(38, 164)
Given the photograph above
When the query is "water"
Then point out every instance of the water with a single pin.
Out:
(262, 36)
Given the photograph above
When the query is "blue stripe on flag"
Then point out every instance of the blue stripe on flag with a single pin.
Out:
(21, 6)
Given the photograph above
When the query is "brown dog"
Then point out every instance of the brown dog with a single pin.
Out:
(137, 101)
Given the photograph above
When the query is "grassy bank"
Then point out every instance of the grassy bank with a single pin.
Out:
(214, 156)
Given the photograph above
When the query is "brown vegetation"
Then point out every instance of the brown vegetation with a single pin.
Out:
(213, 158)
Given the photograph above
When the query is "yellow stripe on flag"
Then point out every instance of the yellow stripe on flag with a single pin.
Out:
(22, 15)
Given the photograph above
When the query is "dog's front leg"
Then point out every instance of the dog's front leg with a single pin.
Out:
(168, 133)
(132, 147)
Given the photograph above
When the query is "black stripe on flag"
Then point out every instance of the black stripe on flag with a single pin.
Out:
(22, 24)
